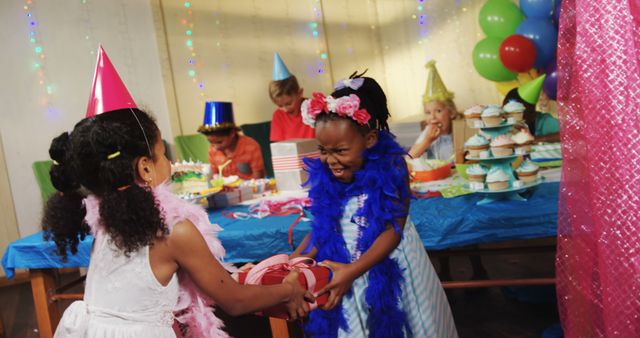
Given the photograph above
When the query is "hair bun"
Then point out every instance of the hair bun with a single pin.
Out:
(60, 174)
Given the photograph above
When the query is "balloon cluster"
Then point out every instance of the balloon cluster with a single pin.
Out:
(520, 43)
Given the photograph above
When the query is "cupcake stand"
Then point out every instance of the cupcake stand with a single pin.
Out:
(516, 187)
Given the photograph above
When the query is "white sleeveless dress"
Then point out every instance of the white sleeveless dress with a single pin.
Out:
(123, 298)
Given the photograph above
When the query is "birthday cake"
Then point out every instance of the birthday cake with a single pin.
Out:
(189, 177)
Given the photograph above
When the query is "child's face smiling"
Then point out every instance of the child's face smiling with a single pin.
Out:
(341, 147)
(437, 112)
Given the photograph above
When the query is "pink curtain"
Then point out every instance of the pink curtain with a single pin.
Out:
(598, 260)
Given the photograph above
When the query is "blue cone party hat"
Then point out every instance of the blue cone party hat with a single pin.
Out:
(280, 71)
(217, 115)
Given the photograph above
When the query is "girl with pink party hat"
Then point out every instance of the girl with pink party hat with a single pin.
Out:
(155, 259)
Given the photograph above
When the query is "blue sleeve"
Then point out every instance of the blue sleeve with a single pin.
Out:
(546, 124)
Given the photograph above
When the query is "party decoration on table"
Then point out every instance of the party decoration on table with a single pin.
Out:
(108, 92)
(288, 167)
(455, 191)
(217, 115)
(546, 152)
(517, 48)
(497, 146)
(274, 269)
(269, 207)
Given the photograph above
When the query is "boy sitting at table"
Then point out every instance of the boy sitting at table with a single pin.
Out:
(287, 95)
(235, 153)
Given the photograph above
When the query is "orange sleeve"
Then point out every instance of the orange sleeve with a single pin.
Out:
(257, 163)
(214, 167)
(277, 133)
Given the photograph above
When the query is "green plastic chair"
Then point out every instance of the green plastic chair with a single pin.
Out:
(261, 132)
(193, 147)
(41, 170)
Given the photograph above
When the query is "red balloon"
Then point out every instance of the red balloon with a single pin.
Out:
(517, 53)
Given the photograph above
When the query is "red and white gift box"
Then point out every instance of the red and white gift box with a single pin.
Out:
(288, 167)
(274, 269)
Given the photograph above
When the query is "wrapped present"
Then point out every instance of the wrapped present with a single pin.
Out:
(230, 197)
(288, 167)
(224, 199)
(274, 269)
(546, 152)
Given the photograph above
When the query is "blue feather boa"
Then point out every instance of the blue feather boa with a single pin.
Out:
(383, 180)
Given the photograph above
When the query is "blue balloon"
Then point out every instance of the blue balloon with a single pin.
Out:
(544, 36)
(537, 9)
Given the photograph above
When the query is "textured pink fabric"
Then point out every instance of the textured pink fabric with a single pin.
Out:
(598, 260)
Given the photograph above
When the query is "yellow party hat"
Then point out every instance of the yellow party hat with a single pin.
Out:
(436, 90)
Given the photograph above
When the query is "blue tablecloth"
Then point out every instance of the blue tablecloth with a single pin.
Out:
(442, 223)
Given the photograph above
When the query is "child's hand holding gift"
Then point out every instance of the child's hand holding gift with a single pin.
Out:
(298, 304)
(340, 284)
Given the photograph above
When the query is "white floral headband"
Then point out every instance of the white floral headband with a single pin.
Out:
(345, 106)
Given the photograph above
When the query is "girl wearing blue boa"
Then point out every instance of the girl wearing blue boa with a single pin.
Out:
(383, 284)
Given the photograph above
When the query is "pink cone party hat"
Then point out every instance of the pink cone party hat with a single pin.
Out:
(108, 92)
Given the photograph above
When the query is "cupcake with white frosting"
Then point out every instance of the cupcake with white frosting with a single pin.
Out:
(523, 141)
(476, 173)
(497, 179)
(476, 144)
(472, 116)
(502, 145)
(514, 109)
(492, 116)
(528, 172)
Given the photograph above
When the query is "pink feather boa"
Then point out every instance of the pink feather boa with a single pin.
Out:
(193, 308)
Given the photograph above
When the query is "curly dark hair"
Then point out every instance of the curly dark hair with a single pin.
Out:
(129, 212)
(372, 98)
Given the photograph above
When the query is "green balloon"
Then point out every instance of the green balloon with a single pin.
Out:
(486, 60)
(500, 18)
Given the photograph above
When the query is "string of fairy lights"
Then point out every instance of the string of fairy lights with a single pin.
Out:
(315, 28)
(39, 62)
(421, 20)
(193, 61)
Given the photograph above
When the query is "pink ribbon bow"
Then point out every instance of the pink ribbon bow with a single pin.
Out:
(282, 262)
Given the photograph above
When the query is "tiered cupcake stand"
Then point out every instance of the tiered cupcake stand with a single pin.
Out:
(516, 187)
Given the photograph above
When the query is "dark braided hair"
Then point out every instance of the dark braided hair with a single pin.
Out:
(100, 155)
(372, 98)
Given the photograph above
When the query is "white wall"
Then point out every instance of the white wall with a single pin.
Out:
(235, 41)
(70, 31)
